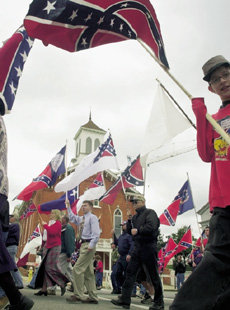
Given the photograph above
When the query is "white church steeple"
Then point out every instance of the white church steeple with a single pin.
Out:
(88, 137)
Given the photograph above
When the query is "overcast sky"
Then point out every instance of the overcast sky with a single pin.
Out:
(117, 83)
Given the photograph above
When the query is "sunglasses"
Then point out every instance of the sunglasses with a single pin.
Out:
(135, 202)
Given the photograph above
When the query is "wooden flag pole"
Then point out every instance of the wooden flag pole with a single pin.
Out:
(211, 120)
(200, 233)
(66, 171)
(176, 103)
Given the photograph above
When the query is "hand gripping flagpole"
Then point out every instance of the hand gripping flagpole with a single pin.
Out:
(211, 120)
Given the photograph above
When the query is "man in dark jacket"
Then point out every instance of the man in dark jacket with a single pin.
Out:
(144, 227)
(124, 244)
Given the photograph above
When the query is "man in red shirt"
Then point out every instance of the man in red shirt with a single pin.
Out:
(209, 285)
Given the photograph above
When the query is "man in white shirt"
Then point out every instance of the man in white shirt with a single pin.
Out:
(83, 273)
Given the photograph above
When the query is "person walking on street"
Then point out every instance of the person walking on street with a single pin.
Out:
(83, 273)
(144, 228)
(180, 269)
(99, 272)
(114, 258)
(124, 244)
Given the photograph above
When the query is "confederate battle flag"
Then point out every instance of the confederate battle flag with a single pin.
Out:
(76, 25)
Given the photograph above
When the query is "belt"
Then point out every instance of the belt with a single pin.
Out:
(85, 240)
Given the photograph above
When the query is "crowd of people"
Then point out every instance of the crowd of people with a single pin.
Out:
(134, 255)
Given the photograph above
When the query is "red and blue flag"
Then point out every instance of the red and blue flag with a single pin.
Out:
(59, 203)
(13, 55)
(185, 196)
(76, 25)
(48, 177)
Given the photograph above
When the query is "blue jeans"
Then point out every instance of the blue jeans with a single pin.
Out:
(179, 280)
(12, 249)
(99, 277)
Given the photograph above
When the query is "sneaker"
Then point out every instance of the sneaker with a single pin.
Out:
(120, 303)
(73, 299)
(25, 304)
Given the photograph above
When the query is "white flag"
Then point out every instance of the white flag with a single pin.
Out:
(165, 122)
(103, 158)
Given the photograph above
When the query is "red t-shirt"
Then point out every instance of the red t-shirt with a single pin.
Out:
(212, 148)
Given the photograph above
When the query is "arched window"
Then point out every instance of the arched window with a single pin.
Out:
(88, 149)
(96, 144)
(117, 222)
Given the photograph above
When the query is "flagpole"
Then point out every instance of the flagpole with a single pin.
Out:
(111, 217)
(145, 173)
(66, 171)
(211, 120)
(176, 103)
(195, 210)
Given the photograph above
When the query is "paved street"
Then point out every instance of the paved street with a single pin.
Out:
(59, 303)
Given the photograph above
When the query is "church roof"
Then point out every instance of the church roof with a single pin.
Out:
(91, 125)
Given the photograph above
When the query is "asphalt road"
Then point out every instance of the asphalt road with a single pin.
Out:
(59, 303)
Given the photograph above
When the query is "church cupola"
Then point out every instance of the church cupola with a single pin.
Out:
(88, 137)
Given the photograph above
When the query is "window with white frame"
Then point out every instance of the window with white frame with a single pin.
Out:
(117, 222)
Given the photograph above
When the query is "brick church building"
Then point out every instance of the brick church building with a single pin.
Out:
(87, 139)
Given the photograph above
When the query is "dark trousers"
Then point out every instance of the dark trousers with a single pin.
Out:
(144, 256)
(7, 283)
(208, 287)
(121, 271)
(113, 277)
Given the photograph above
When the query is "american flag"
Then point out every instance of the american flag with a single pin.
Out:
(105, 149)
(132, 176)
(48, 177)
(13, 56)
(76, 25)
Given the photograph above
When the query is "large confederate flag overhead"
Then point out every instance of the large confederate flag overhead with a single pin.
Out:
(76, 25)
